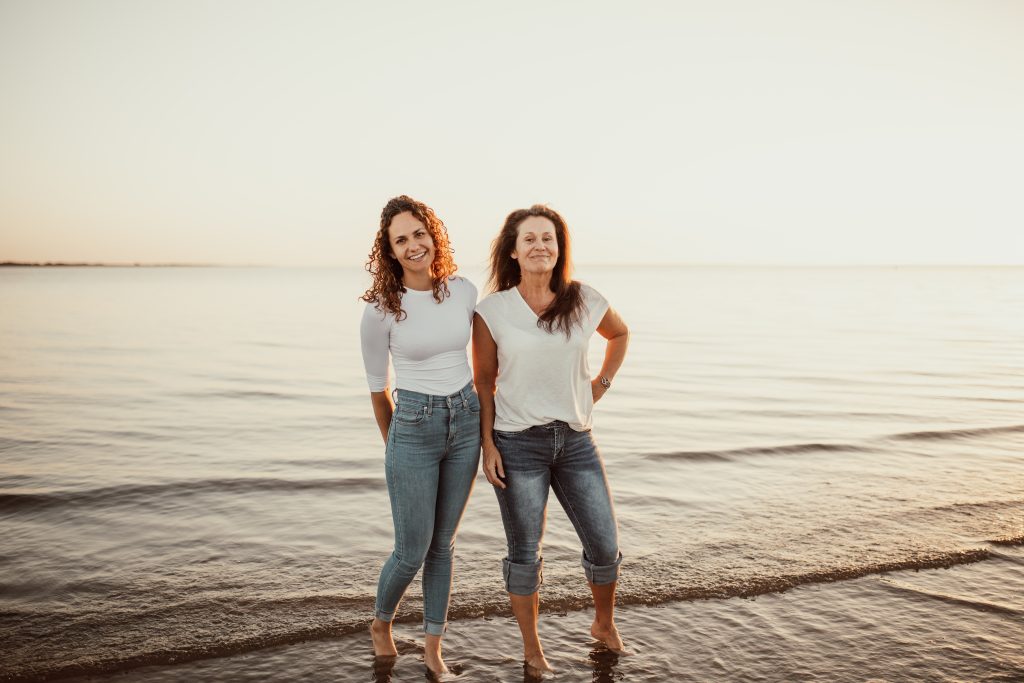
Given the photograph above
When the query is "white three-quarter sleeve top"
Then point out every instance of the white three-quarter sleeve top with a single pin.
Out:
(427, 347)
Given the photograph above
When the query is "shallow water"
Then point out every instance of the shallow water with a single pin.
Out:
(188, 465)
(956, 624)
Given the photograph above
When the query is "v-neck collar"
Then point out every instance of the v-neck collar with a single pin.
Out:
(526, 304)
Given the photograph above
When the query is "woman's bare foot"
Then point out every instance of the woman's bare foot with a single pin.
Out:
(435, 662)
(536, 664)
(609, 635)
(383, 643)
(432, 655)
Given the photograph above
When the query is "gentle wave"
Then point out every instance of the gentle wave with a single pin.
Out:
(957, 433)
(1008, 540)
(766, 450)
(1003, 557)
(800, 448)
(248, 394)
(349, 615)
(108, 435)
(969, 508)
(322, 463)
(972, 603)
(652, 595)
(95, 666)
(9, 443)
(991, 399)
(134, 494)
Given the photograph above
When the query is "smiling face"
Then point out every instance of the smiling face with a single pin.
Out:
(536, 245)
(411, 244)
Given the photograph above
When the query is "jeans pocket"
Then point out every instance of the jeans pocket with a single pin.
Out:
(508, 443)
(409, 416)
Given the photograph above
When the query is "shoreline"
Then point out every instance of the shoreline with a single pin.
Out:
(876, 593)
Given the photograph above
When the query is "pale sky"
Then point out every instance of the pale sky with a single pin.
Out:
(736, 131)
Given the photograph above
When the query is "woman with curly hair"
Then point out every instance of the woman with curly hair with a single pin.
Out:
(420, 313)
(530, 344)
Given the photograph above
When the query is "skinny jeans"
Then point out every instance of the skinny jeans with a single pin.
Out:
(430, 462)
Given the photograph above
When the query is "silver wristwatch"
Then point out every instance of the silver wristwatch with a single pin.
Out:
(605, 382)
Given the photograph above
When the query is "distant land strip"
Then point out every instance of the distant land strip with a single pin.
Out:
(62, 264)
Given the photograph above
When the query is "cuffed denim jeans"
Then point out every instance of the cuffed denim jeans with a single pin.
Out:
(431, 459)
(558, 457)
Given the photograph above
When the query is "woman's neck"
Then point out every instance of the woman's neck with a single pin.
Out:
(535, 286)
(421, 282)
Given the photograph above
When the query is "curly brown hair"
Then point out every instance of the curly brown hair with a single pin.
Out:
(566, 311)
(387, 288)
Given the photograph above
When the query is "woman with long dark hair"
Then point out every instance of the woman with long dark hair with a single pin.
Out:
(530, 339)
(420, 314)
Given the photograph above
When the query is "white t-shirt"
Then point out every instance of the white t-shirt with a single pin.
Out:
(427, 347)
(542, 376)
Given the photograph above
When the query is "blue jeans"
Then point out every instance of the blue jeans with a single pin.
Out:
(431, 459)
(556, 456)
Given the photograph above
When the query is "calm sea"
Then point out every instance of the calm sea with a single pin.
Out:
(189, 469)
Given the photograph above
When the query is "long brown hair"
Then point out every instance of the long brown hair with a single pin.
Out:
(566, 311)
(387, 288)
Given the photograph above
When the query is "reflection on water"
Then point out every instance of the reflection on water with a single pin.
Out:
(604, 661)
(382, 668)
